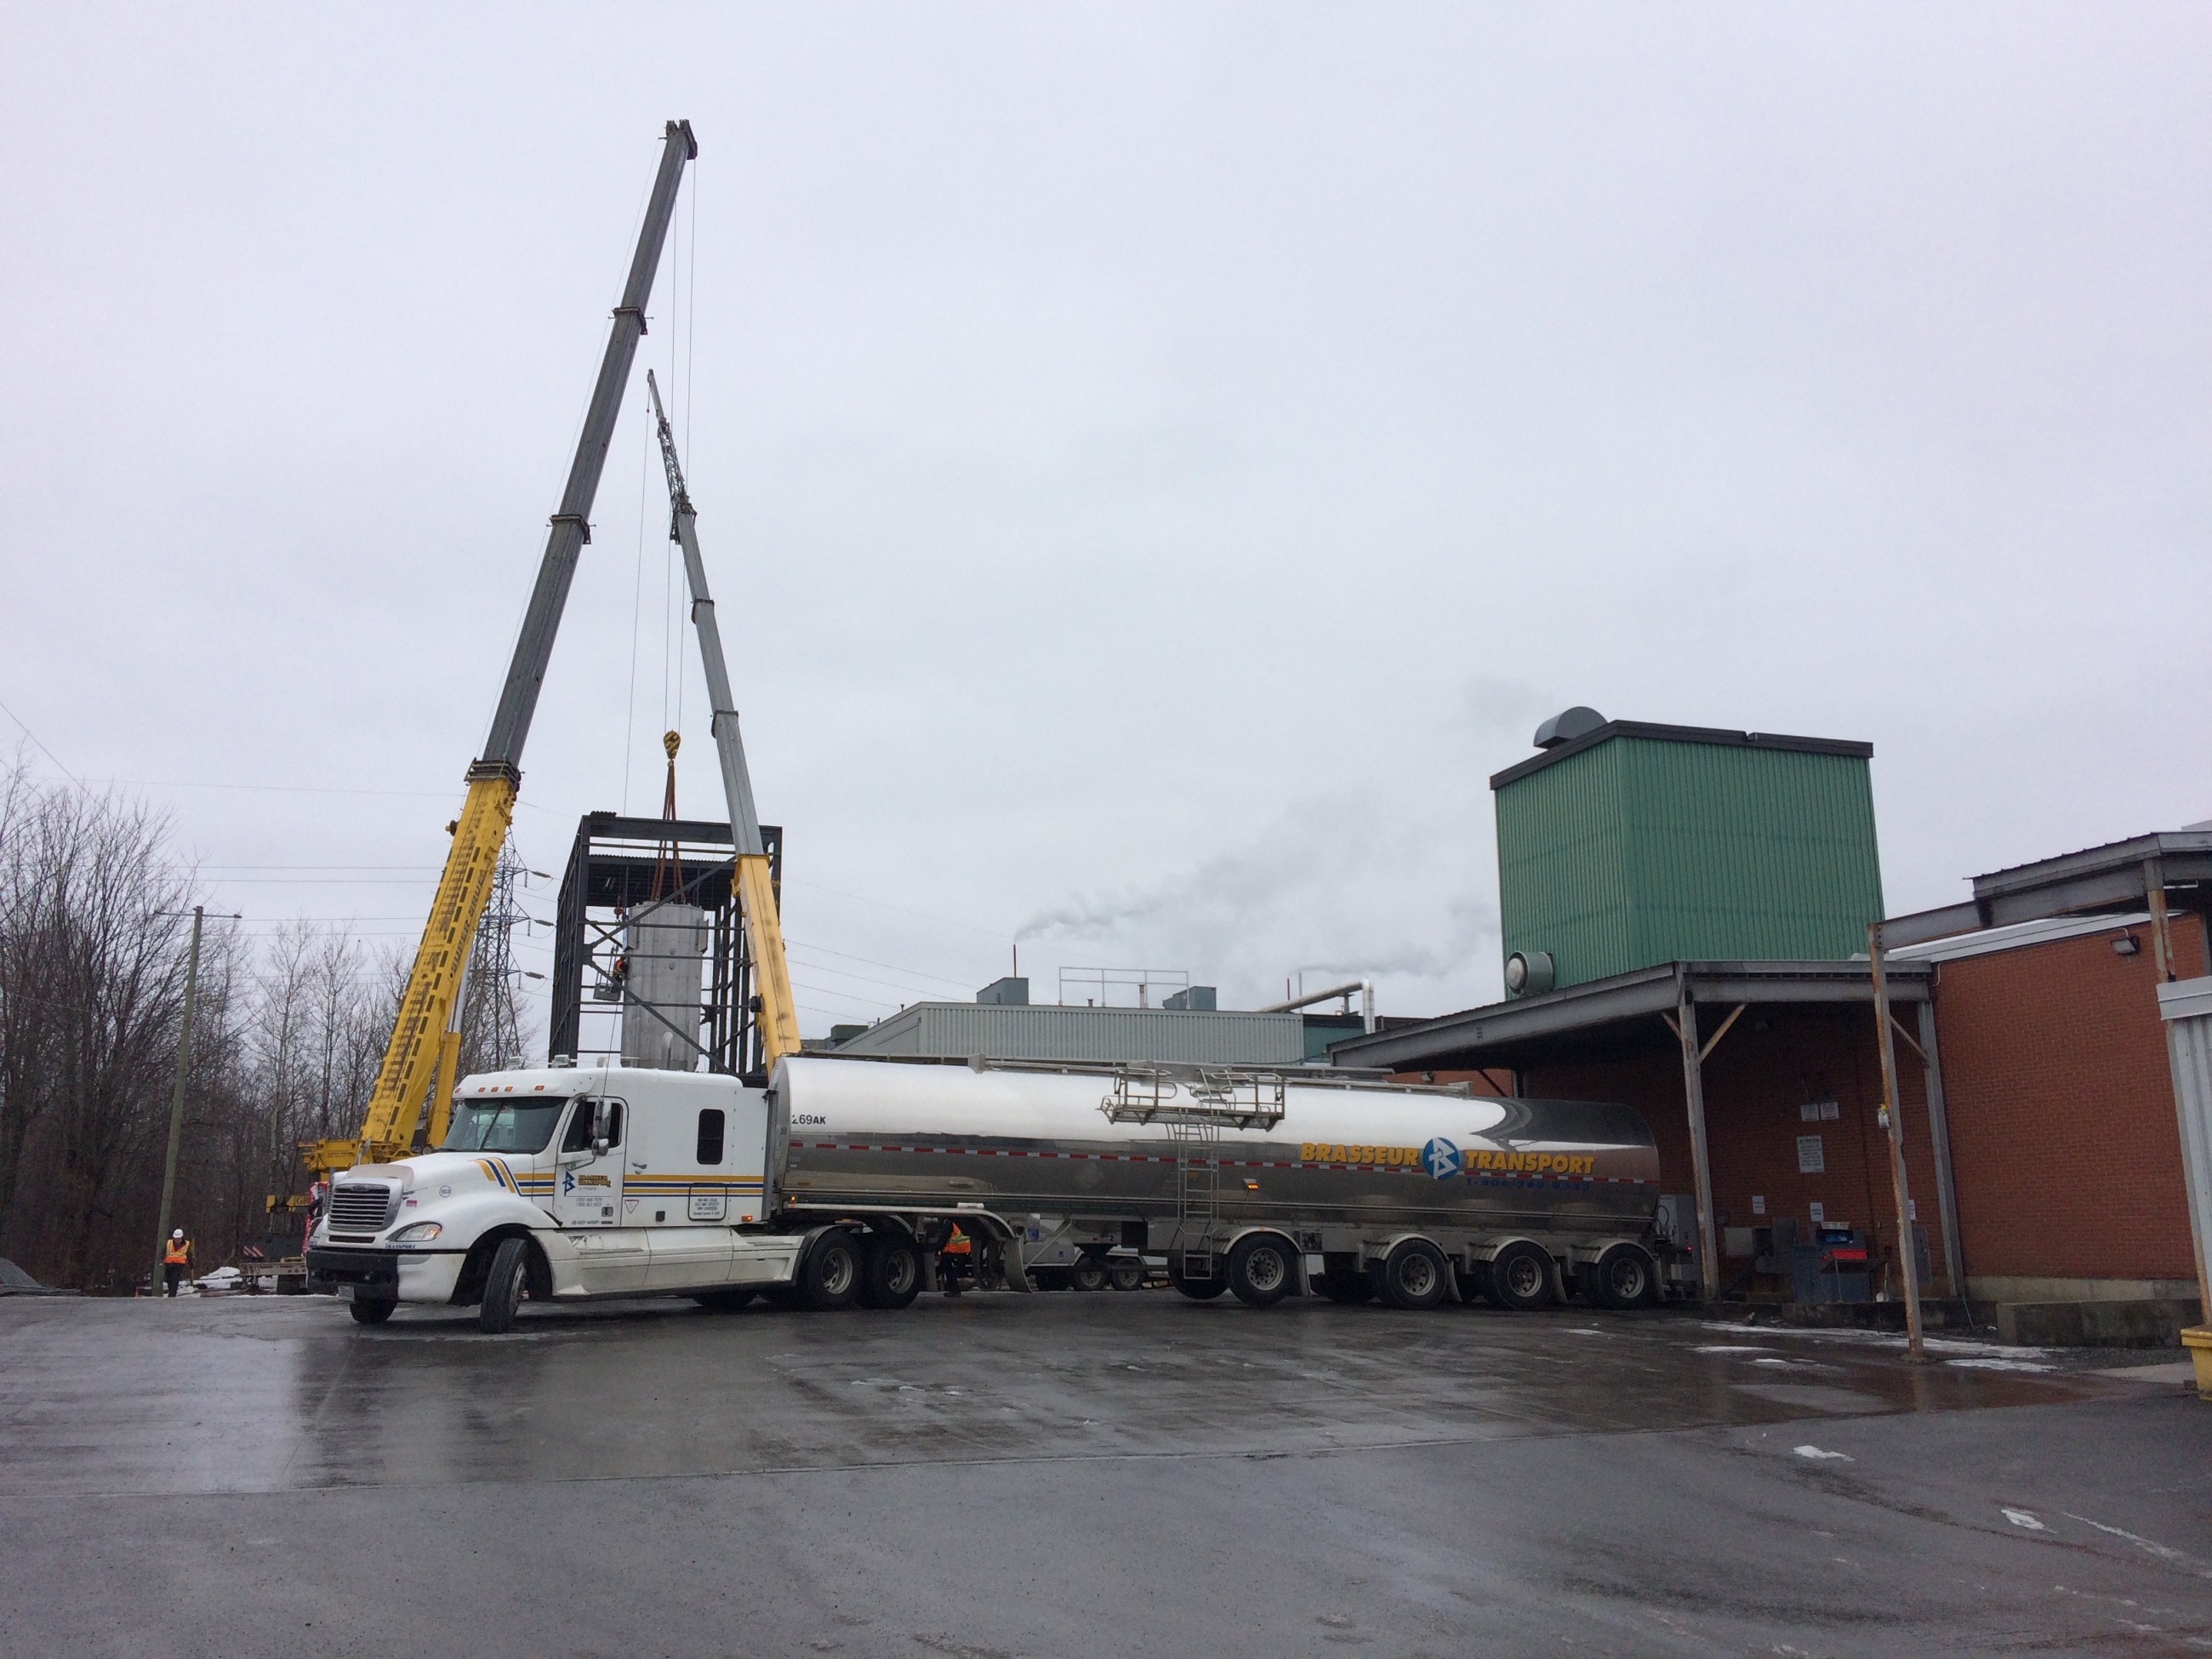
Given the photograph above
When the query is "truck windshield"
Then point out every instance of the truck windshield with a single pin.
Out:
(501, 1126)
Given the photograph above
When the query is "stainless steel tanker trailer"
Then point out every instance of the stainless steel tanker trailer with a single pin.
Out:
(845, 1180)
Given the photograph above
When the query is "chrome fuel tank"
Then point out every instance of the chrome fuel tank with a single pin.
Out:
(934, 1139)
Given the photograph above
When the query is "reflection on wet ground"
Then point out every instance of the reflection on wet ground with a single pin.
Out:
(1049, 1475)
(283, 1394)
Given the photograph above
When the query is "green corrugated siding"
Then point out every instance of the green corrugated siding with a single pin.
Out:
(1639, 851)
(1562, 865)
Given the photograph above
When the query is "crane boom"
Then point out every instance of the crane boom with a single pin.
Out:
(425, 1038)
(778, 1015)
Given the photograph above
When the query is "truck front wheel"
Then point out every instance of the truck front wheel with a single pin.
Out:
(367, 1312)
(503, 1285)
(830, 1277)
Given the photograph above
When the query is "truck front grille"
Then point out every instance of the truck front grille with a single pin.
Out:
(361, 1209)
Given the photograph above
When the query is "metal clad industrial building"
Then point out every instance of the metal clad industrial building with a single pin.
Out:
(1636, 844)
(959, 1029)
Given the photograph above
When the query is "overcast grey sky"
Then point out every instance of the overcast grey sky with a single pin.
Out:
(1156, 462)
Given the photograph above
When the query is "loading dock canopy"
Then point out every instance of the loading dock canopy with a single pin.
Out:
(2121, 875)
(1609, 1017)
(1622, 1010)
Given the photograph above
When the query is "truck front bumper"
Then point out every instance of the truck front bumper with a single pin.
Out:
(383, 1275)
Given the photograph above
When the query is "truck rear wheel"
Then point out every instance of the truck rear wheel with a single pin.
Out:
(366, 1312)
(1127, 1276)
(1521, 1277)
(1624, 1276)
(830, 1277)
(890, 1274)
(1260, 1270)
(1088, 1274)
(1415, 1276)
(503, 1284)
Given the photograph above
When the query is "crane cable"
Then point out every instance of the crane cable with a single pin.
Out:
(636, 614)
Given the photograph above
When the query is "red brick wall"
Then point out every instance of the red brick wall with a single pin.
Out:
(2063, 1141)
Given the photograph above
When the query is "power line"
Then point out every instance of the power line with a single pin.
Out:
(43, 750)
(894, 967)
(862, 898)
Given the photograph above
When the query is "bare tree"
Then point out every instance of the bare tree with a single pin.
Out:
(102, 965)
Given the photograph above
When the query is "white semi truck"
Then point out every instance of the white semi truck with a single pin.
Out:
(841, 1183)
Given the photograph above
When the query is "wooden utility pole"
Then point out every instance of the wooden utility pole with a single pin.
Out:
(1893, 1121)
(177, 1100)
(1693, 1093)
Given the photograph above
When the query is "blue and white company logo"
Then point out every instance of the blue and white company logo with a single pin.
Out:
(1441, 1157)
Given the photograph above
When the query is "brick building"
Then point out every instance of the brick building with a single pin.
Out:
(2065, 1150)
(2051, 1182)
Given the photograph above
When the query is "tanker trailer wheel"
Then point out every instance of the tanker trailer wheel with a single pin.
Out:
(1260, 1270)
(1198, 1290)
(890, 1274)
(1088, 1274)
(829, 1278)
(366, 1312)
(1521, 1277)
(503, 1285)
(1350, 1289)
(1623, 1277)
(1415, 1276)
(1126, 1275)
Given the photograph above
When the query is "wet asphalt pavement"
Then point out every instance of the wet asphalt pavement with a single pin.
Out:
(1079, 1475)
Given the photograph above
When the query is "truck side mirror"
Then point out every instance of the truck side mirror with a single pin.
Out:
(601, 1129)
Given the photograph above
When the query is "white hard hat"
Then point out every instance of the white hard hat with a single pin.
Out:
(179, 1233)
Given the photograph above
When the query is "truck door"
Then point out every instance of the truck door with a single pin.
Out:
(587, 1187)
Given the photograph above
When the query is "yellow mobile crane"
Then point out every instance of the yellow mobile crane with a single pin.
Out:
(420, 1061)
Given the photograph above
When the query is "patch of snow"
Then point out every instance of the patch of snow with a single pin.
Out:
(1816, 1452)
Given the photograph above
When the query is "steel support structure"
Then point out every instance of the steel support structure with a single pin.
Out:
(608, 881)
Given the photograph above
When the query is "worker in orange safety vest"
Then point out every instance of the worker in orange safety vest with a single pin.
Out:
(955, 1260)
(176, 1259)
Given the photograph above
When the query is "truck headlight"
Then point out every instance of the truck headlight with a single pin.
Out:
(421, 1233)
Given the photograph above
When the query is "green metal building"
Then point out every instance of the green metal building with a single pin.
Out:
(1625, 845)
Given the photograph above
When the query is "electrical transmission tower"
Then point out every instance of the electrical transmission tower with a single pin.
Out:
(491, 1023)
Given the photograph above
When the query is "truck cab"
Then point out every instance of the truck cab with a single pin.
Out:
(565, 1183)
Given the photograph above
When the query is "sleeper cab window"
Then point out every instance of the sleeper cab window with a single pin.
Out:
(710, 1135)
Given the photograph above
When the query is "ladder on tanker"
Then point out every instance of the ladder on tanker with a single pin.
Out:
(1194, 1105)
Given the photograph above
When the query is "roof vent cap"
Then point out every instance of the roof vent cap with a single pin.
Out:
(1576, 722)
